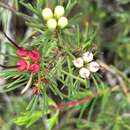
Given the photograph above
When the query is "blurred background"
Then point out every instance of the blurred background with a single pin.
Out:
(112, 20)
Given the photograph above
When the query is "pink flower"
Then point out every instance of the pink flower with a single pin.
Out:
(93, 66)
(88, 56)
(84, 73)
(78, 62)
(34, 68)
(34, 55)
(22, 52)
(22, 65)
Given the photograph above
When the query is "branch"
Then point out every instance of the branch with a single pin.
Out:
(11, 40)
(7, 67)
(84, 100)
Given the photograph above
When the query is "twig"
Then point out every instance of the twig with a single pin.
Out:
(71, 104)
(86, 99)
(7, 67)
(11, 40)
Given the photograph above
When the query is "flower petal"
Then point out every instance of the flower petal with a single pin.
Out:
(78, 62)
(84, 73)
(88, 56)
(93, 66)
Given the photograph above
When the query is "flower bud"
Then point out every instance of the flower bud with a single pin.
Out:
(78, 62)
(35, 68)
(51, 24)
(84, 73)
(88, 56)
(47, 13)
(93, 66)
(22, 52)
(22, 65)
(35, 91)
(62, 22)
(59, 11)
(34, 55)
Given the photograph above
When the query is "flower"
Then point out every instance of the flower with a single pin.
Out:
(34, 55)
(78, 62)
(62, 22)
(88, 56)
(84, 73)
(52, 24)
(47, 13)
(59, 11)
(22, 65)
(93, 66)
(22, 52)
(34, 67)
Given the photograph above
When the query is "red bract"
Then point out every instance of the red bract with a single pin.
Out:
(34, 55)
(22, 52)
(22, 65)
(34, 68)
(35, 91)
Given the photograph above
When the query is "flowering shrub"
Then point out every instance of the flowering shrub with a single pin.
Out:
(66, 68)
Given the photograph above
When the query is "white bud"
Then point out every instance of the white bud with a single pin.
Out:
(78, 62)
(59, 11)
(84, 73)
(88, 56)
(51, 24)
(93, 66)
(47, 13)
(62, 22)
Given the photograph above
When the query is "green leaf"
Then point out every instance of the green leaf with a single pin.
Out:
(53, 120)
(28, 118)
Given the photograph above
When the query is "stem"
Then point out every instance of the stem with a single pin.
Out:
(11, 40)
(71, 104)
(7, 67)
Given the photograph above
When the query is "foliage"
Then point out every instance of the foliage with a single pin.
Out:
(65, 100)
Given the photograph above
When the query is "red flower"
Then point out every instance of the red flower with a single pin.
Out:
(34, 68)
(34, 55)
(22, 65)
(35, 91)
(22, 52)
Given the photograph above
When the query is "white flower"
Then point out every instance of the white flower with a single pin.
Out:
(93, 66)
(62, 22)
(51, 24)
(78, 62)
(84, 73)
(59, 11)
(47, 13)
(88, 56)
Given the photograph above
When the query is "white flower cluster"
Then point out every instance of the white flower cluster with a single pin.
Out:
(86, 59)
(55, 19)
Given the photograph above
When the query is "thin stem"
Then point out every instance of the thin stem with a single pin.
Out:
(7, 67)
(11, 40)
(71, 104)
